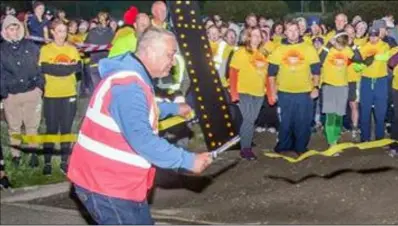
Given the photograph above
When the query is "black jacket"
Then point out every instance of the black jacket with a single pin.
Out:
(19, 67)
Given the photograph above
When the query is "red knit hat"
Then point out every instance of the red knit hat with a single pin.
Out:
(130, 15)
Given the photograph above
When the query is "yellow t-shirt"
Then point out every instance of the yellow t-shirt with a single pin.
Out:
(354, 76)
(329, 36)
(57, 86)
(334, 69)
(307, 38)
(277, 39)
(379, 68)
(252, 69)
(294, 63)
(76, 38)
(361, 41)
(268, 47)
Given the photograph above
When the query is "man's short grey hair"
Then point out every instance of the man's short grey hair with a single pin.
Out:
(153, 38)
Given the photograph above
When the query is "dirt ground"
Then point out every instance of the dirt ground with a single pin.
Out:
(358, 187)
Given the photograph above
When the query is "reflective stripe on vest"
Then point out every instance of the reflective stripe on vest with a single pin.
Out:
(96, 115)
(177, 77)
(220, 52)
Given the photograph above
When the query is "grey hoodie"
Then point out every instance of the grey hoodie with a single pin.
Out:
(9, 20)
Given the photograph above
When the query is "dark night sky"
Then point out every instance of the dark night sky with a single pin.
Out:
(118, 7)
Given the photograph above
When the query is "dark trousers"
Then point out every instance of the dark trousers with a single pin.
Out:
(114, 211)
(268, 116)
(296, 115)
(394, 130)
(58, 114)
(373, 92)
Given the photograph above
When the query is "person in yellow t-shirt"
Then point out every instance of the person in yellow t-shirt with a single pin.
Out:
(336, 58)
(316, 37)
(73, 38)
(83, 29)
(268, 116)
(277, 33)
(393, 64)
(361, 36)
(59, 61)
(294, 69)
(354, 77)
(374, 85)
(341, 20)
(247, 86)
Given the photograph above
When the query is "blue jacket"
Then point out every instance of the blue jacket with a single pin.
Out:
(129, 109)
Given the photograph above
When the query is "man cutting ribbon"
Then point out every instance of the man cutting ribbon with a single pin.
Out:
(112, 162)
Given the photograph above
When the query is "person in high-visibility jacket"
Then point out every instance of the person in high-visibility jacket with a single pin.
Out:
(173, 82)
(112, 164)
(128, 42)
(220, 50)
(159, 15)
(129, 19)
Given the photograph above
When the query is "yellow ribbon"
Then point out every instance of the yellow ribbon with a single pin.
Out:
(45, 138)
(333, 150)
(65, 138)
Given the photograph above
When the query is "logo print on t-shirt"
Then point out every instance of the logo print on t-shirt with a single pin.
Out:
(338, 60)
(371, 52)
(62, 58)
(293, 58)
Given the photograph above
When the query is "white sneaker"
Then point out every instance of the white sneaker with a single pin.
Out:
(272, 130)
(393, 153)
(260, 129)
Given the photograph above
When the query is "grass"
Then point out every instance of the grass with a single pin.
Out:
(24, 175)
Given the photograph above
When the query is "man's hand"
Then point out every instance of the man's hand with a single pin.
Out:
(202, 161)
(315, 93)
(184, 110)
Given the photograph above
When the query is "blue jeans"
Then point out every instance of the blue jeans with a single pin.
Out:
(109, 210)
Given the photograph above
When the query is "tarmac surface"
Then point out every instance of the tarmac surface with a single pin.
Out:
(358, 187)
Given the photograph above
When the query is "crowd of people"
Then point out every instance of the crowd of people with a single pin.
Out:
(287, 77)
(297, 76)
